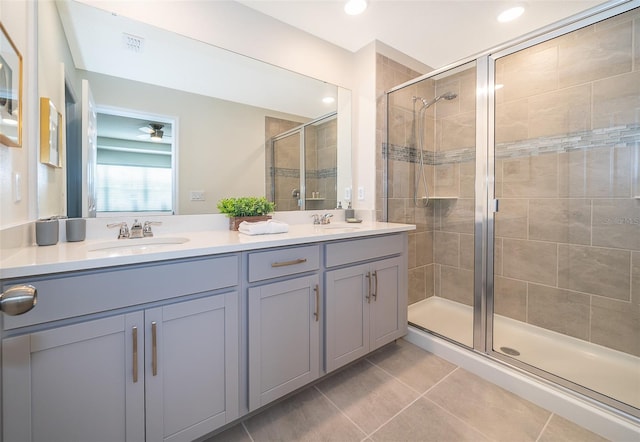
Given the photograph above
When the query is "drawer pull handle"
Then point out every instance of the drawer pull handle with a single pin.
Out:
(317, 312)
(134, 334)
(375, 286)
(18, 299)
(289, 263)
(154, 348)
(368, 295)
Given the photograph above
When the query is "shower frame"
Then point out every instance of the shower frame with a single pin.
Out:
(300, 130)
(486, 204)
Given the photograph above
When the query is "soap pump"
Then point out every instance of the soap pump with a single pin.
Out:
(349, 213)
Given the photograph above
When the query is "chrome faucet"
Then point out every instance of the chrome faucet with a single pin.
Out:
(146, 229)
(136, 229)
(124, 229)
(316, 218)
(326, 218)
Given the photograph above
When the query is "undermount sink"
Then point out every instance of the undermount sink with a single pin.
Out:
(136, 245)
(341, 227)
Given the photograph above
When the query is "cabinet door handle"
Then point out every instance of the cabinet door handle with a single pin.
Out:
(317, 312)
(18, 299)
(289, 263)
(134, 334)
(368, 295)
(154, 348)
(375, 285)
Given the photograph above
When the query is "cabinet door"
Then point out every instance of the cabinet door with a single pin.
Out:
(388, 308)
(75, 383)
(284, 345)
(191, 367)
(347, 315)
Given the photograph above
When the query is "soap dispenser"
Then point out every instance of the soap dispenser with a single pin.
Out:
(349, 213)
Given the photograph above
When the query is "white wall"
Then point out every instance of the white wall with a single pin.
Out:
(364, 136)
(51, 181)
(15, 17)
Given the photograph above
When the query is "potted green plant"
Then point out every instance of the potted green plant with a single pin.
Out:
(246, 208)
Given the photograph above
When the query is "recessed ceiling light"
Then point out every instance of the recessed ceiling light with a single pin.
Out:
(328, 100)
(355, 7)
(510, 14)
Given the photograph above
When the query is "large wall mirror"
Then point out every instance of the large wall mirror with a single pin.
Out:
(219, 112)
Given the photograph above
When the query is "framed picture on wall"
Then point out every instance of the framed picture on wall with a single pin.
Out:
(10, 92)
(50, 133)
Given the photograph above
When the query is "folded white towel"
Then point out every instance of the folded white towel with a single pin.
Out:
(263, 227)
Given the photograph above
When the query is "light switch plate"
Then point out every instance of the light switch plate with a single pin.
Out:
(197, 195)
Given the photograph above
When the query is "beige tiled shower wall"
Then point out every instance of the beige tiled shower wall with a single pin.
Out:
(321, 156)
(283, 175)
(567, 166)
(567, 250)
(399, 182)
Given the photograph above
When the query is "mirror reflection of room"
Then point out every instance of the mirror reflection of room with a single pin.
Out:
(222, 146)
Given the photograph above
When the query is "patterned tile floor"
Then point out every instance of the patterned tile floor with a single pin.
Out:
(403, 393)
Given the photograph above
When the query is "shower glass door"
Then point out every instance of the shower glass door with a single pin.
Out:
(321, 163)
(566, 268)
(430, 154)
(285, 172)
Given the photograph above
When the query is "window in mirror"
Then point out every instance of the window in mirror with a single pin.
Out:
(135, 164)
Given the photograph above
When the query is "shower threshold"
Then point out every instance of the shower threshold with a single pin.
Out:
(609, 372)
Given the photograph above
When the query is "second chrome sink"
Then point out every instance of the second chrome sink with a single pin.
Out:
(136, 245)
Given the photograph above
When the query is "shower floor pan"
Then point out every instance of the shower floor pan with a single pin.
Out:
(610, 372)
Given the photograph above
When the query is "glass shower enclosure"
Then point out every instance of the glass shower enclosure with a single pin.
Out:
(525, 190)
(302, 164)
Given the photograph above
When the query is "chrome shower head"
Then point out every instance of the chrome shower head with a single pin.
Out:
(446, 96)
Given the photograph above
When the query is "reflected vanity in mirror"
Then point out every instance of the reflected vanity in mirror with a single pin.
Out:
(224, 111)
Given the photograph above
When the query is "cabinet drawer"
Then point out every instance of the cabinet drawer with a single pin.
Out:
(346, 252)
(83, 293)
(283, 262)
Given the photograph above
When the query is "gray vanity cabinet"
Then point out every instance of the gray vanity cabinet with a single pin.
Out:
(284, 323)
(167, 370)
(366, 303)
(191, 367)
(74, 383)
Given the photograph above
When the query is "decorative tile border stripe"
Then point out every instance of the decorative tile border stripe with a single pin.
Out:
(612, 137)
(331, 172)
(284, 172)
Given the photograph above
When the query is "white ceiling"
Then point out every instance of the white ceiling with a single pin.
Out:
(434, 32)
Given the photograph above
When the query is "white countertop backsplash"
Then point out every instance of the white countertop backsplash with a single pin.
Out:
(206, 234)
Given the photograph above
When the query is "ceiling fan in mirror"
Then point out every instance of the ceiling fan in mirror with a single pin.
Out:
(154, 132)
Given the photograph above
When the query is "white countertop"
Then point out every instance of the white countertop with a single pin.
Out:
(71, 256)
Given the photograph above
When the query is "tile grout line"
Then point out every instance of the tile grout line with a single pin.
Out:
(244, 426)
(458, 418)
(544, 427)
(449, 411)
(341, 412)
(395, 378)
(420, 395)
